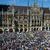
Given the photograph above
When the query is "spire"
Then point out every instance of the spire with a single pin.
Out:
(35, 3)
(12, 2)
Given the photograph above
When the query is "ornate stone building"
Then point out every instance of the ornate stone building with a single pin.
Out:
(24, 19)
(36, 18)
(47, 19)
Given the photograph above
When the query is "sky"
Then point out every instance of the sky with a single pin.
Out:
(46, 3)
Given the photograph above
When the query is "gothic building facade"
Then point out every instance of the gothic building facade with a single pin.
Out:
(24, 19)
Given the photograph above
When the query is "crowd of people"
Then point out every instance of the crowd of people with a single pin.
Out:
(18, 41)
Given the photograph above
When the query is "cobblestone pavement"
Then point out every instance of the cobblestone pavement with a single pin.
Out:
(21, 41)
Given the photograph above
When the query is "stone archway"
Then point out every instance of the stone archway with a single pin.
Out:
(37, 29)
(10, 30)
(21, 30)
(25, 29)
(34, 29)
(1, 31)
(17, 30)
(43, 28)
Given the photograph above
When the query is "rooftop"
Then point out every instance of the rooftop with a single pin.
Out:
(4, 7)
